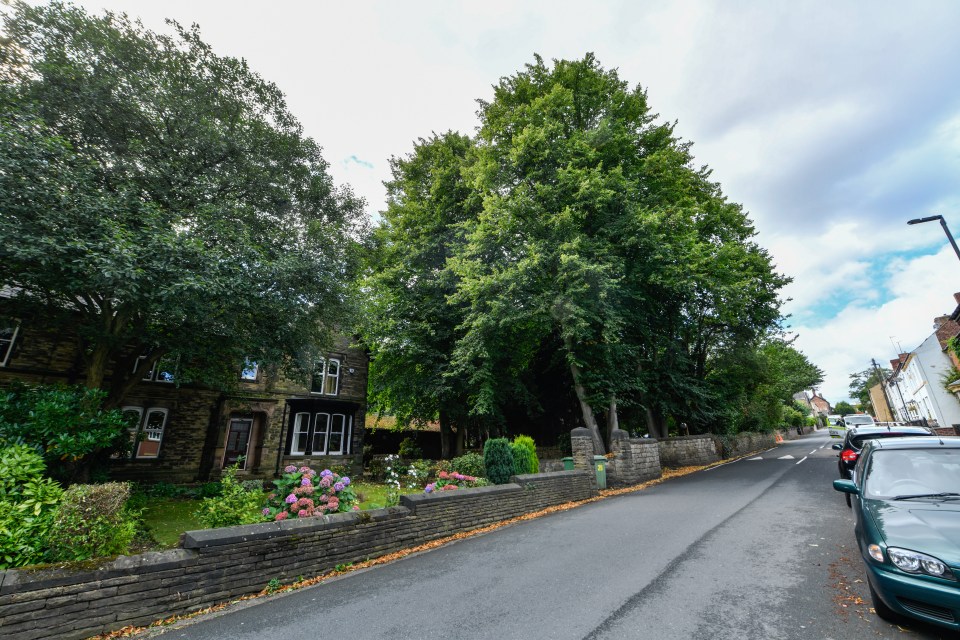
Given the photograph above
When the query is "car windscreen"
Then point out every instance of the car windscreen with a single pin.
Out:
(912, 472)
(852, 420)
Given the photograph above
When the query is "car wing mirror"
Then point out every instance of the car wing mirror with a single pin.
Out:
(837, 447)
(846, 486)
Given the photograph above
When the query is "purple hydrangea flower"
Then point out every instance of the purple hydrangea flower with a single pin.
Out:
(428, 488)
(291, 499)
(266, 512)
(338, 486)
(305, 482)
(326, 473)
(345, 480)
(289, 469)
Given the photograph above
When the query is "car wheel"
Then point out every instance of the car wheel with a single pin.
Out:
(882, 609)
(849, 501)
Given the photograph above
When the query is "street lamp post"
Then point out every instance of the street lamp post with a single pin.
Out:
(943, 223)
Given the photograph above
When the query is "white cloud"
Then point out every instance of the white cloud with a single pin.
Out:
(923, 289)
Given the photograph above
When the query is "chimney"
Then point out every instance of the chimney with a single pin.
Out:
(894, 364)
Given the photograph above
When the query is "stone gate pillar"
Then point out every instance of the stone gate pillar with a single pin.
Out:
(582, 445)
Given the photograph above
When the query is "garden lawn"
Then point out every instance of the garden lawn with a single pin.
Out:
(167, 518)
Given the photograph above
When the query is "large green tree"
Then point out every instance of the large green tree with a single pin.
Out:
(410, 325)
(599, 235)
(160, 201)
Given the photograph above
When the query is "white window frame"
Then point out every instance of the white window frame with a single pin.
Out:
(313, 432)
(9, 342)
(325, 376)
(297, 429)
(151, 435)
(342, 432)
(323, 419)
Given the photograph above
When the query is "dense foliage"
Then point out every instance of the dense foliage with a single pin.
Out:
(497, 460)
(160, 203)
(92, 521)
(524, 452)
(570, 264)
(68, 424)
(28, 505)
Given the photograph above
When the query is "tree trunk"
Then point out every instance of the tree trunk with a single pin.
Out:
(446, 436)
(588, 418)
(613, 422)
(656, 425)
(460, 443)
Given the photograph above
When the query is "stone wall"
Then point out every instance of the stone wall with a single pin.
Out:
(688, 451)
(744, 443)
(220, 564)
(634, 460)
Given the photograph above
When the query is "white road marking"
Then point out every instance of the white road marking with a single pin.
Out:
(786, 457)
(757, 458)
(801, 459)
(813, 452)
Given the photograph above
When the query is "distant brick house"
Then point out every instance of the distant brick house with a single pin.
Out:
(190, 433)
(820, 405)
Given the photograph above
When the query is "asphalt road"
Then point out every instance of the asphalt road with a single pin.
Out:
(758, 548)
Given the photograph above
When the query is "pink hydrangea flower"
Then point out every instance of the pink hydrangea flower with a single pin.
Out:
(289, 469)
(280, 516)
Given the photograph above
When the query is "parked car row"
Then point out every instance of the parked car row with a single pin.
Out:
(903, 484)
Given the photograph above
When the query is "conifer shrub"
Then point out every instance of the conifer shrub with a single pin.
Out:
(498, 460)
(524, 452)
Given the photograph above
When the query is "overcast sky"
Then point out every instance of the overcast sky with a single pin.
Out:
(833, 123)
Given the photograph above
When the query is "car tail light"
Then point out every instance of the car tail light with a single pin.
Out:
(849, 455)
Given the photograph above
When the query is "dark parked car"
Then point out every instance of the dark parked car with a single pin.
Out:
(856, 437)
(906, 502)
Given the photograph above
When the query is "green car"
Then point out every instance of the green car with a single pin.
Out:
(906, 500)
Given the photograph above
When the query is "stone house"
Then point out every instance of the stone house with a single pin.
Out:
(189, 433)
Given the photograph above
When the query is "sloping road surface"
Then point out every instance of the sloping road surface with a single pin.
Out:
(760, 548)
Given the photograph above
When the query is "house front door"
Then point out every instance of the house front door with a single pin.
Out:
(238, 439)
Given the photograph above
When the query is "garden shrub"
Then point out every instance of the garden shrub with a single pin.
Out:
(497, 460)
(524, 452)
(235, 504)
(470, 464)
(302, 493)
(93, 520)
(409, 449)
(164, 490)
(420, 470)
(67, 423)
(28, 502)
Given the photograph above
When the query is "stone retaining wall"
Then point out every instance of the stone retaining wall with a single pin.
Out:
(688, 451)
(217, 565)
(744, 443)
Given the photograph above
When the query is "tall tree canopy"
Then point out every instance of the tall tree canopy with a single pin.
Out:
(577, 232)
(410, 325)
(160, 201)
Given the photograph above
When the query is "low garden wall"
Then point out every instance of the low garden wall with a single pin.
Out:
(217, 565)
